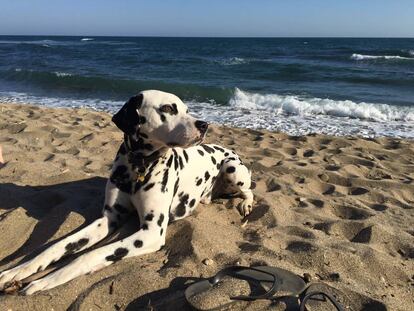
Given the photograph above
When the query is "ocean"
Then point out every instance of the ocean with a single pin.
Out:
(337, 86)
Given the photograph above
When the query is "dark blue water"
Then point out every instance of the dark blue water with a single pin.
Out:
(298, 85)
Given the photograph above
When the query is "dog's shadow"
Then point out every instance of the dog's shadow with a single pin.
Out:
(50, 206)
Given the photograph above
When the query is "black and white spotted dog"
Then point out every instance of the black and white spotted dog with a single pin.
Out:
(161, 170)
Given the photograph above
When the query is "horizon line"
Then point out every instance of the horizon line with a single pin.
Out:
(210, 37)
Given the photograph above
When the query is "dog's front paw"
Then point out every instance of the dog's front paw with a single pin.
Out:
(8, 277)
(16, 274)
(34, 287)
(245, 208)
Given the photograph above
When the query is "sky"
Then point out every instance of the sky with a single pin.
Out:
(211, 18)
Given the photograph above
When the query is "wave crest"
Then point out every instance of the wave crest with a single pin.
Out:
(387, 57)
(295, 105)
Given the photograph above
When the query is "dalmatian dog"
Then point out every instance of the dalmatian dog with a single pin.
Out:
(162, 170)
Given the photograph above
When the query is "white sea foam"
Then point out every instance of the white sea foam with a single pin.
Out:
(411, 52)
(62, 74)
(87, 39)
(302, 106)
(294, 115)
(371, 57)
(233, 61)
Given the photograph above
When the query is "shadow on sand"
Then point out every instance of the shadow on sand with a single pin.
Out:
(50, 206)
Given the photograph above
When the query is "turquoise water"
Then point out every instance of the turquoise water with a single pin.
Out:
(297, 85)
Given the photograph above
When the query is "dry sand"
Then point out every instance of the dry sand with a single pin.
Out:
(338, 208)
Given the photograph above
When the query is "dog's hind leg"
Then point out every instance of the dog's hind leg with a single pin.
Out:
(117, 206)
(150, 238)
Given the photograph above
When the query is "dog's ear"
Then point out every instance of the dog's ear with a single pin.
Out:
(128, 118)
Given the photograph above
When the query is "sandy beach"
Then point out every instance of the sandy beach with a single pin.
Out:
(338, 208)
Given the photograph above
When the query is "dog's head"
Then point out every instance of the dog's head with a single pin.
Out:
(161, 116)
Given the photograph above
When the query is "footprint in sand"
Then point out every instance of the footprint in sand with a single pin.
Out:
(16, 128)
(308, 153)
(350, 212)
(299, 232)
(317, 203)
(300, 246)
(328, 189)
(379, 207)
(363, 236)
(332, 167)
(272, 185)
(290, 151)
(248, 247)
(358, 191)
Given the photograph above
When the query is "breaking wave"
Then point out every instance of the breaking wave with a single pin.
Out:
(296, 105)
(386, 57)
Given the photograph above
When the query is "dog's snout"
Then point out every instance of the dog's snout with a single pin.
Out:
(201, 126)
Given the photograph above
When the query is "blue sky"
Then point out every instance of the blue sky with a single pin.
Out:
(354, 18)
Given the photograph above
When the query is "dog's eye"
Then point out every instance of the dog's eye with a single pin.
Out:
(167, 109)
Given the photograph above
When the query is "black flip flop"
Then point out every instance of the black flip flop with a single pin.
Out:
(276, 283)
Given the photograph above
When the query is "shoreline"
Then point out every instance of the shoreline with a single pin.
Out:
(338, 208)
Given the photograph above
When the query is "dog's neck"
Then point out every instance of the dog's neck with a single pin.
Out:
(141, 151)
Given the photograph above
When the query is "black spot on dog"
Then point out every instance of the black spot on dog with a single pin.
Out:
(120, 177)
(149, 217)
(226, 154)
(175, 159)
(163, 118)
(213, 160)
(160, 220)
(151, 168)
(121, 209)
(230, 169)
(149, 186)
(75, 246)
(142, 120)
(161, 231)
(175, 110)
(180, 209)
(180, 160)
(185, 156)
(138, 243)
(200, 152)
(207, 175)
(144, 227)
(119, 253)
(240, 183)
(199, 182)
(169, 162)
(164, 181)
(218, 148)
(192, 202)
(177, 182)
(207, 149)
(218, 166)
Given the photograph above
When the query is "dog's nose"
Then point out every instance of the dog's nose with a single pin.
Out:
(201, 126)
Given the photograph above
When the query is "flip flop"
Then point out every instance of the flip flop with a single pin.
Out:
(275, 282)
